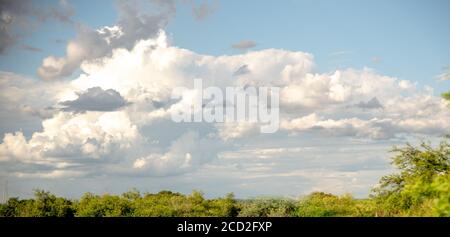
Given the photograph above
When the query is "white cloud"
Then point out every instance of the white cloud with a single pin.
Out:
(122, 142)
(229, 131)
(55, 174)
(69, 138)
(134, 24)
(184, 154)
(405, 85)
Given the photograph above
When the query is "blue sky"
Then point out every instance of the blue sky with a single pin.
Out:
(410, 38)
(352, 77)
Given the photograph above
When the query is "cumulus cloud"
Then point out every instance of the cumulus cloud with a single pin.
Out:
(140, 138)
(244, 44)
(184, 154)
(135, 23)
(95, 99)
(25, 102)
(70, 144)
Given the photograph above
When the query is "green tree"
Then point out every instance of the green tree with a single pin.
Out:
(107, 205)
(44, 204)
(11, 208)
(420, 188)
(48, 205)
(223, 207)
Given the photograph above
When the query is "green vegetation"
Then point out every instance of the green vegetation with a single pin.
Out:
(420, 188)
(130, 204)
(446, 95)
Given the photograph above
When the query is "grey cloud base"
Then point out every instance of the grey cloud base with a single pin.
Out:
(95, 99)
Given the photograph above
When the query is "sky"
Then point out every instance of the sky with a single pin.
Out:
(85, 93)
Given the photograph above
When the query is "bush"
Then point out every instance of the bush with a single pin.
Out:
(321, 204)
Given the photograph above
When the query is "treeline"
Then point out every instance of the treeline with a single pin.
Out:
(170, 204)
(420, 188)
